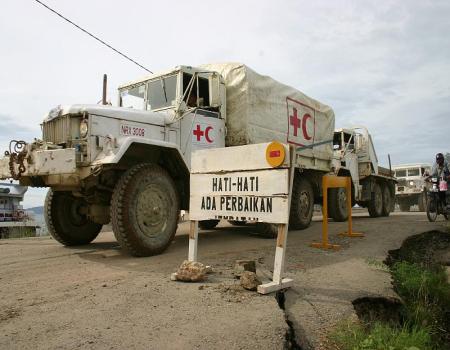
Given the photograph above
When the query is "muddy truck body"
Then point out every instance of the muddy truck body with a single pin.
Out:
(129, 165)
(411, 188)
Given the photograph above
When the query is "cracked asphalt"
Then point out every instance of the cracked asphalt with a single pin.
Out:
(96, 297)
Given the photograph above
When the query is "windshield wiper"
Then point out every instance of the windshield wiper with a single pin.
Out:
(163, 83)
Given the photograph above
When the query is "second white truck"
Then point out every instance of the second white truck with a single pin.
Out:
(411, 188)
(373, 186)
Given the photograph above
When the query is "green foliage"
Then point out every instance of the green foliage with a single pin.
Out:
(426, 296)
(413, 281)
(425, 292)
(353, 336)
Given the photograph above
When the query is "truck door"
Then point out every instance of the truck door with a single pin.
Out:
(203, 127)
(200, 130)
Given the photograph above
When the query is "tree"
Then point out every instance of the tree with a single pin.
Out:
(447, 157)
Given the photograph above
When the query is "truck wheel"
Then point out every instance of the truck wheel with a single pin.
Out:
(337, 204)
(422, 201)
(404, 206)
(375, 205)
(65, 220)
(144, 210)
(302, 204)
(387, 201)
(208, 224)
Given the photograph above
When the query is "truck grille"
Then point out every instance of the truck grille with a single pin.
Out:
(402, 182)
(57, 130)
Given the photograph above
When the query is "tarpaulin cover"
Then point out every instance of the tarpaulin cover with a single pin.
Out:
(260, 109)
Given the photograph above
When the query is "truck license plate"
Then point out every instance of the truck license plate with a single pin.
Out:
(132, 130)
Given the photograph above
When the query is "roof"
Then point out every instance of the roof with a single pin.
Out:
(164, 73)
(14, 190)
(412, 165)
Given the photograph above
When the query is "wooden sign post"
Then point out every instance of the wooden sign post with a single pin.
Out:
(244, 183)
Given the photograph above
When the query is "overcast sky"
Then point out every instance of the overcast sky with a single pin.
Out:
(383, 64)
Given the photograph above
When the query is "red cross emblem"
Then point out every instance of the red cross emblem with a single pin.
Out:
(300, 123)
(295, 122)
(199, 133)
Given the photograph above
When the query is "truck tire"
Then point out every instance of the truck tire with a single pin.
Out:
(422, 201)
(375, 205)
(387, 200)
(404, 205)
(337, 204)
(302, 204)
(144, 210)
(208, 224)
(65, 221)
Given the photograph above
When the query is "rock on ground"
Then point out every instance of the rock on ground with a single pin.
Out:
(191, 271)
(249, 280)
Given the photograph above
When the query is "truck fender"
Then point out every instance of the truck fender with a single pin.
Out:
(115, 155)
(164, 153)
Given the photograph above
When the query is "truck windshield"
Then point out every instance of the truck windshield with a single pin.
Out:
(162, 92)
(133, 97)
(414, 172)
(400, 173)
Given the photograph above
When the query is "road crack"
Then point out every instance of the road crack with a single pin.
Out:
(290, 341)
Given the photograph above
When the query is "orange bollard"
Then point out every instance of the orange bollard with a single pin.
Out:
(335, 182)
(350, 232)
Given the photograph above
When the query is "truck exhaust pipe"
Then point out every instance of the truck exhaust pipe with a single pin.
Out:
(390, 165)
(105, 83)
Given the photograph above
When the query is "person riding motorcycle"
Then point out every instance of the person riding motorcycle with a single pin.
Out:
(441, 170)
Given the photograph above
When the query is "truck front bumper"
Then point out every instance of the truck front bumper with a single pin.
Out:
(408, 194)
(41, 163)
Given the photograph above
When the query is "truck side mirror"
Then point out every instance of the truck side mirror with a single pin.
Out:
(214, 90)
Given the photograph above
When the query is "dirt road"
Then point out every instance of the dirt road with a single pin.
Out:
(95, 297)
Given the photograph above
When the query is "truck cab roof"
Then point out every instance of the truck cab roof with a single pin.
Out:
(177, 69)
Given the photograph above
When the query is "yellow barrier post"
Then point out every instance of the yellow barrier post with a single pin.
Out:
(335, 182)
(350, 233)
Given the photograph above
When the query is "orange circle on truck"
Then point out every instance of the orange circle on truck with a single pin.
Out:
(275, 154)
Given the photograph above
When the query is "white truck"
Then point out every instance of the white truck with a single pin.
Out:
(129, 165)
(373, 186)
(411, 188)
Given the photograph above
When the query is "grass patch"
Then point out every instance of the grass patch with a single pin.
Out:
(354, 336)
(425, 313)
(426, 296)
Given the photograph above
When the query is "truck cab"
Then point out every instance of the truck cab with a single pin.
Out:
(192, 102)
(411, 189)
(373, 186)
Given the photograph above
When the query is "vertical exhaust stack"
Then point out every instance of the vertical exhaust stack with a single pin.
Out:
(390, 166)
(105, 83)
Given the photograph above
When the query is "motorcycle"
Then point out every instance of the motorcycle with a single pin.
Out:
(437, 193)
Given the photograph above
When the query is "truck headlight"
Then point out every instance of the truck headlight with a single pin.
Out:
(411, 183)
(84, 128)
